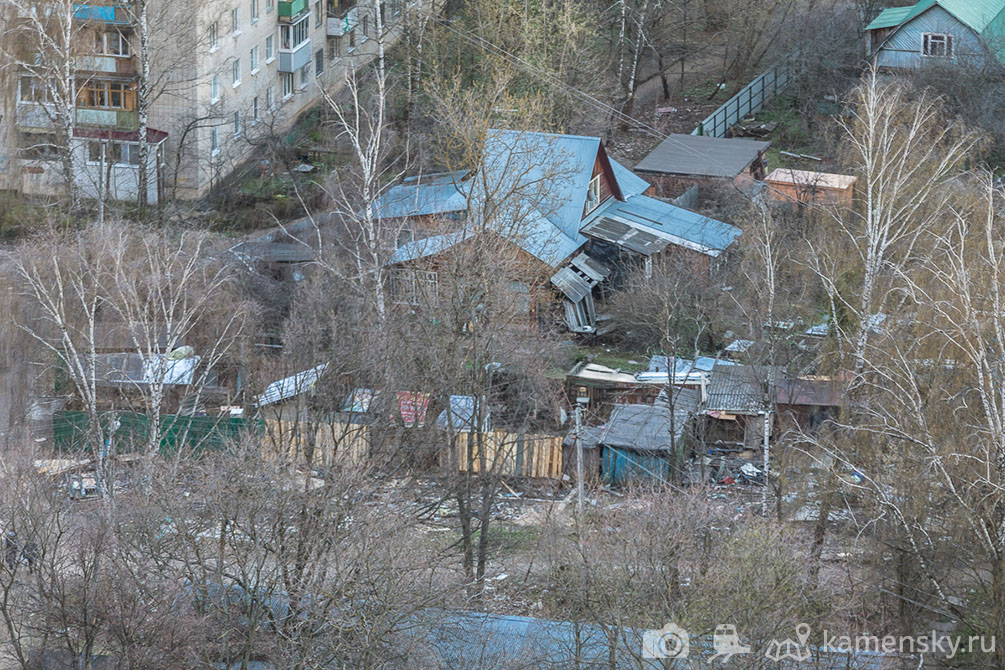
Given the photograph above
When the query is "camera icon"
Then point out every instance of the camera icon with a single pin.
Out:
(670, 641)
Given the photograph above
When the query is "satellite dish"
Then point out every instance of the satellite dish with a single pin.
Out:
(181, 353)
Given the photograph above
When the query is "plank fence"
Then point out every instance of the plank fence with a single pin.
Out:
(511, 454)
(327, 444)
(751, 98)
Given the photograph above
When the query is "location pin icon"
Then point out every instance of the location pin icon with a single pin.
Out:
(803, 633)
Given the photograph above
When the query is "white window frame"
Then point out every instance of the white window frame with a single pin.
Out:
(236, 73)
(269, 5)
(318, 15)
(595, 190)
(945, 40)
(304, 75)
(214, 89)
(36, 99)
(254, 12)
(254, 110)
(253, 56)
(270, 49)
(214, 141)
(235, 21)
(302, 26)
(410, 287)
(105, 51)
(214, 36)
(270, 98)
(124, 148)
(287, 91)
(238, 124)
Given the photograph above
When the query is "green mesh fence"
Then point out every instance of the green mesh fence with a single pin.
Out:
(195, 433)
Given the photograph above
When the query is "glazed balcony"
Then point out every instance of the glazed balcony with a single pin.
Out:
(123, 66)
(116, 119)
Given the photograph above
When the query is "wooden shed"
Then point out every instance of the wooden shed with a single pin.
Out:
(811, 188)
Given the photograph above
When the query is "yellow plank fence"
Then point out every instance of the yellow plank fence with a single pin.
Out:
(333, 443)
(510, 454)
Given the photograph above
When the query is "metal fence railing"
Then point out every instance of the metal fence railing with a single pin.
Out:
(750, 98)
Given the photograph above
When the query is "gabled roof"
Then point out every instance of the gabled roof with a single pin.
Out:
(440, 193)
(889, 17)
(428, 246)
(649, 427)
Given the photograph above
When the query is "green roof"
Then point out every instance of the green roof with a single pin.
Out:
(889, 17)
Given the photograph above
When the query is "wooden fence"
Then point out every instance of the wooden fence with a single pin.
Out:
(751, 98)
(511, 454)
(327, 443)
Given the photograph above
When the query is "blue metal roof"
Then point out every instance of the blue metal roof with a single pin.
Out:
(428, 246)
(435, 194)
(630, 183)
(683, 227)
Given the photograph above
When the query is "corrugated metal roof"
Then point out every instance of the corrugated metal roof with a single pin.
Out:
(643, 220)
(811, 179)
(702, 156)
(291, 386)
(889, 17)
(630, 183)
(132, 369)
(740, 389)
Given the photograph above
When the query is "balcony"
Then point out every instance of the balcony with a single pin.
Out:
(340, 25)
(116, 65)
(337, 8)
(35, 116)
(117, 15)
(119, 119)
(290, 9)
(291, 61)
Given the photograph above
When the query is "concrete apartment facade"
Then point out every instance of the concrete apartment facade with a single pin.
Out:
(224, 74)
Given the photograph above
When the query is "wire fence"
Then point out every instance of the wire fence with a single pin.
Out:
(751, 98)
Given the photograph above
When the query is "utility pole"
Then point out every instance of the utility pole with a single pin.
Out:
(579, 461)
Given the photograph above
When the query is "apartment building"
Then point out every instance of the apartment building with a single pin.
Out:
(224, 74)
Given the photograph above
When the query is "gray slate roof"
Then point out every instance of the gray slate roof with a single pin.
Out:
(647, 427)
(702, 156)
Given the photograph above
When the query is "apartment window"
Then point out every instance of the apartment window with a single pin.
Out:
(214, 89)
(254, 11)
(237, 124)
(106, 95)
(305, 75)
(366, 26)
(352, 40)
(237, 72)
(937, 45)
(111, 43)
(270, 51)
(287, 80)
(254, 60)
(269, 5)
(118, 153)
(317, 13)
(334, 48)
(291, 37)
(319, 62)
(214, 140)
(214, 30)
(270, 101)
(254, 110)
(31, 89)
(235, 20)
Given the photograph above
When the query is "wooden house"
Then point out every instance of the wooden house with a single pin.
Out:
(553, 197)
(938, 32)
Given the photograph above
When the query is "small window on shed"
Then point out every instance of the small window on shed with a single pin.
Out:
(937, 45)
